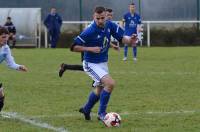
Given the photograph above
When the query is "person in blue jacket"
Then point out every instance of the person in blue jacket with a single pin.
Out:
(53, 22)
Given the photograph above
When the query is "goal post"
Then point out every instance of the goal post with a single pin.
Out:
(28, 25)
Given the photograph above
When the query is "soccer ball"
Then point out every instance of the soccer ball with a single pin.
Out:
(112, 119)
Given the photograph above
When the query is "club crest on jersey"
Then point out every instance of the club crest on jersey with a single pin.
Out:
(105, 42)
(98, 36)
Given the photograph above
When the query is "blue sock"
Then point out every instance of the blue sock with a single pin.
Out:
(92, 100)
(134, 52)
(125, 50)
(104, 99)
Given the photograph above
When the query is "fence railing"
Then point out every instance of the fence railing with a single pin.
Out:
(148, 27)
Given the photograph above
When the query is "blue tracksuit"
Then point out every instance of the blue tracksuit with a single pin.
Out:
(53, 24)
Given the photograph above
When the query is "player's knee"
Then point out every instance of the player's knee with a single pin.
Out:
(98, 90)
(1, 92)
(111, 85)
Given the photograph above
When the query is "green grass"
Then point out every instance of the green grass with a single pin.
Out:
(165, 81)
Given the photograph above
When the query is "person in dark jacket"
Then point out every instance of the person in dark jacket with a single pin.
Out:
(12, 31)
(53, 22)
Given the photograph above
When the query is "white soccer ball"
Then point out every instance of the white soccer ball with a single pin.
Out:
(112, 119)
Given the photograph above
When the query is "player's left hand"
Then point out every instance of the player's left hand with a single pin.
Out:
(23, 68)
(133, 39)
(115, 47)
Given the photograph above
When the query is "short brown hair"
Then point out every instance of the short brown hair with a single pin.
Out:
(109, 10)
(99, 9)
(3, 30)
(132, 4)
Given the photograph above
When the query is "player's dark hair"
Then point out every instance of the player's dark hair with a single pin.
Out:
(3, 30)
(9, 18)
(132, 3)
(99, 9)
(109, 10)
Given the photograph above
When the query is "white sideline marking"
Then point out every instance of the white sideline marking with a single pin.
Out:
(14, 115)
(154, 72)
(123, 113)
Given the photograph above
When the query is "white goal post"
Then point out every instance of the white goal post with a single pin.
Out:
(28, 25)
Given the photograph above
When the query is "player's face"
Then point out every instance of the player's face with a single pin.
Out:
(8, 20)
(100, 19)
(132, 8)
(109, 15)
(53, 11)
(3, 39)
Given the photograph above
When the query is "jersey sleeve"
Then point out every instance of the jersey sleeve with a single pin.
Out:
(10, 60)
(116, 31)
(82, 38)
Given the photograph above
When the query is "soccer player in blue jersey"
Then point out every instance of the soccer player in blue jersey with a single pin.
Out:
(94, 41)
(114, 44)
(5, 54)
(131, 21)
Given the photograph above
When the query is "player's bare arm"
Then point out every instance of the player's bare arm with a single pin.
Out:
(78, 48)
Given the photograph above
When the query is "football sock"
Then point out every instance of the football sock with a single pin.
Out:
(73, 67)
(92, 100)
(134, 52)
(1, 102)
(125, 50)
(104, 99)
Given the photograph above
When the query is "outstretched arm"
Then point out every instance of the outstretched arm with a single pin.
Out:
(11, 62)
(78, 48)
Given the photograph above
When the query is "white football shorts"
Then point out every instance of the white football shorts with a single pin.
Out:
(96, 71)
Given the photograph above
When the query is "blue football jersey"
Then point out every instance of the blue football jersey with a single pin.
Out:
(131, 22)
(95, 36)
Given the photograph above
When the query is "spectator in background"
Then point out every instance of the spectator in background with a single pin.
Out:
(12, 32)
(53, 22)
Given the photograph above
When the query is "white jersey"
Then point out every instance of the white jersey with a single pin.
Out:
(5, 54)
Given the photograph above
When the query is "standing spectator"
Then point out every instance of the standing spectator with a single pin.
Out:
(53, 22)
(12, 31)
(131, 20)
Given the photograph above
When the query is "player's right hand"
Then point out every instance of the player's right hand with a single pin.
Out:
(23, 68)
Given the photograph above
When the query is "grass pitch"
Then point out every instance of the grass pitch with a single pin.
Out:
(160, 93)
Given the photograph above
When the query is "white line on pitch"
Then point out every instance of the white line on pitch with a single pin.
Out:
(123, 113)
(155, 72)
(16, 116)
